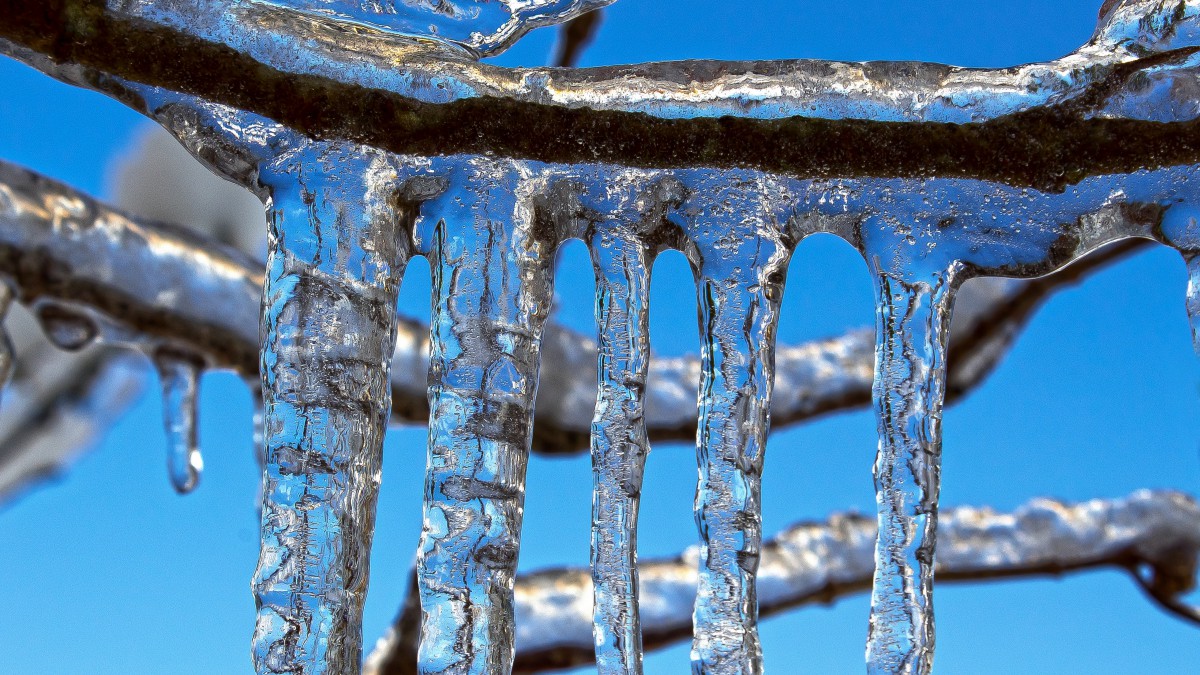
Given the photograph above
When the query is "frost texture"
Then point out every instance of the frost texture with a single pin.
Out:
(344, 218)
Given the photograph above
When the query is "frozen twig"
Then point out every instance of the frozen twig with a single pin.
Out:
(1154, 535)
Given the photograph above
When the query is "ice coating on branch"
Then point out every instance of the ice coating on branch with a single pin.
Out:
(812, 563)
(490, 264)
(484, 26)
(328, 329)
(180, 379)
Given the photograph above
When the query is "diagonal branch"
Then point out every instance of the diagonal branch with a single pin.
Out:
(1154, 535)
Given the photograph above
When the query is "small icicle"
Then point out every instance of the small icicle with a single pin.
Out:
(180, 378)
(912, 330)
(259, 439)
(8, 354)
(259, 422)
(1193, 296)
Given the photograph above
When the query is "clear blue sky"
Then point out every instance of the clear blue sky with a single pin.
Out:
(108, 571)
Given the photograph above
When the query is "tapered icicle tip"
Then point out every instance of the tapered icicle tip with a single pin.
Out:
(1193, 297)
(180, 377)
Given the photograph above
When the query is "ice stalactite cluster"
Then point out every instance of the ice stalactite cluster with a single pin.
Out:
(935, 175)
(738, 229)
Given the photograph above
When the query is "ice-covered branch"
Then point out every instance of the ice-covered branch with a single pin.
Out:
(1153, 535)
(1043, 125)
(138, 281)
(91, 272)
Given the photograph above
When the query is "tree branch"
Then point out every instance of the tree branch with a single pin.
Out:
(1154, 535)
(1022, 126)
(575, 36)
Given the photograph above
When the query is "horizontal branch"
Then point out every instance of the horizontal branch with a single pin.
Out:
(1044, 125)
(821, 562)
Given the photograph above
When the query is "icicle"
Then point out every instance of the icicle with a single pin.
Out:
(491, 293)
(740, 286)
(619, 445)
(912, 330)
(328, 317)
(1180, 229)
(180, 376)
(1193, 297)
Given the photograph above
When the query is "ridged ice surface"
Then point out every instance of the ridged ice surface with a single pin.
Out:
(491, 294)
(1110, 156)
(328, 328)
(622, 261)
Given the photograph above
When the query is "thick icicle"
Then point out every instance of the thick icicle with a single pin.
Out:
(491, 293)
(741, 266)
(180, 377)
(621, 260)
(912, 326)
(328, 330)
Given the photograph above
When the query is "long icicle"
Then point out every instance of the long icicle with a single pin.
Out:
(913, 319)
(491, 294)
(619, 444)
(740, 286)
(329, 321)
